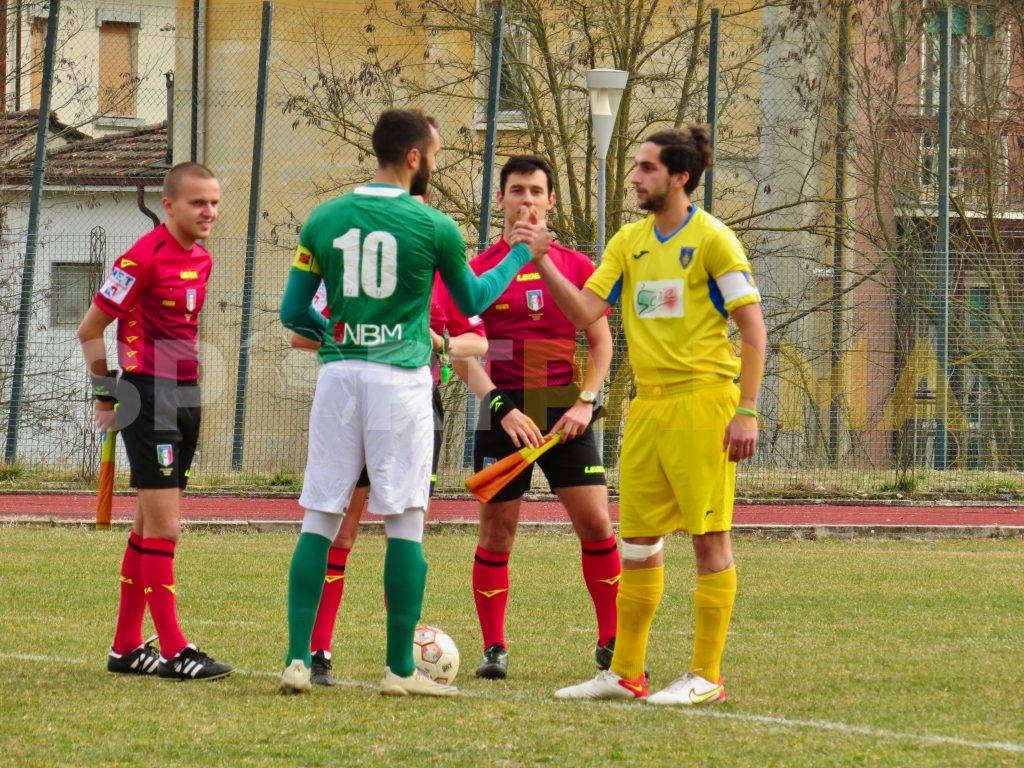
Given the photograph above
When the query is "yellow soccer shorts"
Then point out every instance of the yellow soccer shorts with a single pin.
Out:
(673, 472)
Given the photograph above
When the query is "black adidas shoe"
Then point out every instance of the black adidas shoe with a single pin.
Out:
(321, 671)
(495, 663)
(142, 661)
(192, 664)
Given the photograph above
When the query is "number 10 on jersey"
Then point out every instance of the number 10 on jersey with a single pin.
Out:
(369, 263)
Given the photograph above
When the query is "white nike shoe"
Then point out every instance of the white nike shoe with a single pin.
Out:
(606, 685)
(416, 684)
(689, 690)
(295, 678)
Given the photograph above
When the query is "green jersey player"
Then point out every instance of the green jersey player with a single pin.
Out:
(376, 250)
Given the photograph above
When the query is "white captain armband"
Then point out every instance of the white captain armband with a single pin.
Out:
(737, 285)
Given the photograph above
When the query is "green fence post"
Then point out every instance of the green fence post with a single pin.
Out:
(712, 119)
(942, 246)
(493, 87)
(836, 342)
(252, 231)
(490, 141)
(32, 239)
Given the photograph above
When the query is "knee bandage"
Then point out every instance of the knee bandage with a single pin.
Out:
(408, 525)
(326, 524)
(640, 552)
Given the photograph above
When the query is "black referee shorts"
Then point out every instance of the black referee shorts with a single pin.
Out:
(364, 478)
(567, 465)
(158, 420)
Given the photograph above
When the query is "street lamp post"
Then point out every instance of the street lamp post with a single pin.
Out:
(605, 87)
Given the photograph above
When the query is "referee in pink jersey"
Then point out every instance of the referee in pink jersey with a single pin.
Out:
(530, 388)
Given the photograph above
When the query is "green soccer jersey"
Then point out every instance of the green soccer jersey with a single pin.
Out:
(377, 250)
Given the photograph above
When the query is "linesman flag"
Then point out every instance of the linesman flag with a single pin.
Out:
(486, 483)
(105, 484)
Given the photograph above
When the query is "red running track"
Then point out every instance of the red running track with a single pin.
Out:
(237, 508)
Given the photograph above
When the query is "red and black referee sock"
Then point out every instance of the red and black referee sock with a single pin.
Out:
(490, 593)
(330, 599)
(158, 578)
(602, 570)
(132, 606)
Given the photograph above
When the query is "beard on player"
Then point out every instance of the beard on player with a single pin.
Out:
(421, 181)
(654, 200)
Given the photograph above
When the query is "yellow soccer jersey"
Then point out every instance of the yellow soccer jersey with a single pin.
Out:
(674, 306)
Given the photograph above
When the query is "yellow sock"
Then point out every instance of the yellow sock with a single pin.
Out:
(640, 592)
(712, 609)
(713, 601)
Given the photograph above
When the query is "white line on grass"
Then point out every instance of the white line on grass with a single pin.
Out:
(44, 659)
(854, 730)
(742, 717)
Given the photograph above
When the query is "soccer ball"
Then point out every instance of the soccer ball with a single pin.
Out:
(435, 654)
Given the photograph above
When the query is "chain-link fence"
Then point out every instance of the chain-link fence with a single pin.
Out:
(893, 367)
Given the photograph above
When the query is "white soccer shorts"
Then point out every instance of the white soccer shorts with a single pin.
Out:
(373, 415)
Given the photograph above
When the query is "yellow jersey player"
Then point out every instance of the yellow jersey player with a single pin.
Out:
(680, 275)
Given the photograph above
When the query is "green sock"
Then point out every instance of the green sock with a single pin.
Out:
(305, 583)
(405, 577)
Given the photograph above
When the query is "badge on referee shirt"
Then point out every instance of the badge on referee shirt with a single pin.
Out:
(535, 300)
(190, 299)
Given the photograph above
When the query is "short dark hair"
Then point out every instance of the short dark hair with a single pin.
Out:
(180, 172)
(527, 164)
(396, 132)
(685, 149)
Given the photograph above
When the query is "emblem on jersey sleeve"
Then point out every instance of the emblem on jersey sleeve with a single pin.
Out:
(686, 256)
(117, 286)
(535, 300)
(165, 454)
(305, 260)
(190, 299)
(659, 298)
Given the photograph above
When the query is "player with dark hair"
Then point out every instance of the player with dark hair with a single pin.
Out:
(531, 388)
(445, 348)
(376, 249)
(156, 291)
(681, 274)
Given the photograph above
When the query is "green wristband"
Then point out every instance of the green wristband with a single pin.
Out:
(747, 412)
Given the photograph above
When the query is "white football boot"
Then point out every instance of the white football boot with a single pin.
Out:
(416, 684)
(295, 678)
(606, 685)
(690, 690)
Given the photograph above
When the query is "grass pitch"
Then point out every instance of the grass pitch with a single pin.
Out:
(841, 653)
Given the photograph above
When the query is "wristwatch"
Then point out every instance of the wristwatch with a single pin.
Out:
(586, 396)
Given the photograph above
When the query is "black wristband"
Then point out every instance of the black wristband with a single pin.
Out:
(499, 404)
(104, 388)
